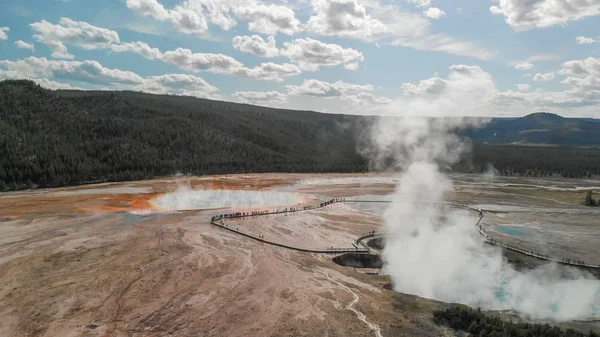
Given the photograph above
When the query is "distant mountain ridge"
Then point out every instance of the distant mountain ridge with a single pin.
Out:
(539, 128)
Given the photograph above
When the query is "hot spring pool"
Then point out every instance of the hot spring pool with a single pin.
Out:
(202, 199)
(510, 230)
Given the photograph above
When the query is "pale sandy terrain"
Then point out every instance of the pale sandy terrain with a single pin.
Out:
(97, 261)
(102, 260)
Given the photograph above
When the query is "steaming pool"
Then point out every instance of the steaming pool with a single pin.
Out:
(205, 199)
(510, 230)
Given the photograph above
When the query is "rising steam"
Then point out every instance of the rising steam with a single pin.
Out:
(437, 253)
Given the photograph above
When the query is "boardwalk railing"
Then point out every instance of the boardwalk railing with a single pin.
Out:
(300, 249)
(237, 215)
(488, 239)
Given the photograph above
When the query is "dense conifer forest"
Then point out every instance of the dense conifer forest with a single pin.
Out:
(59, 138)
(477, 323)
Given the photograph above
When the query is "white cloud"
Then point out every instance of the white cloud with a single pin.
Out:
(77, 33)
(434, 13)
(370, 21)
(92, 72)
(149, 8)
(269, 19)
(139, 47)
(585, 67)
(446, 44)
(256, 45)
(180, 84)
(584, 40)
(25, 45)
(193, 16)
(524, 66)
(223, 64)
(187, 60)
(53, 85)
(345, 18)
(360, 97)
(310, 54)
(528, 63)
(3, 31)
(187, 18)
(468, 90)
(420, 3)
(524, 15)
(523, 87)
(365, 99)
(546, 77)
(272, 98)
(327, 89)
(86, 71)
(269, 71)
(351, 66)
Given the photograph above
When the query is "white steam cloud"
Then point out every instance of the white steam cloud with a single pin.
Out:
(437, 253)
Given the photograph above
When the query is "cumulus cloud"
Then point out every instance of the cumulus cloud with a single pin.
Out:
(326, 89)
(371, 22)
(181, 84)
(256, 45)
(310, 54)
(269, 71)
(53, 85)
(523, 87)
(139, 47)
(524, 66)
(351, 66)
(585, 67)
(434, 13)
(420, 3)
(86, 71)
(186, 18)
(344, 18)
(187, 60)
(365, 99)
(261, 97)
(358, 95)
(194, 16)
(524, 15)
(92, 72)
(546, 77)
(269, 19)
(350, 19)
(3, 35)
(584, 40)
(446, 44)
(77, 33)
(25, 45)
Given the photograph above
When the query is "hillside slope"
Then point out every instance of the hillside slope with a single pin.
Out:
(68, 137)
(57, 138)
(540, 128)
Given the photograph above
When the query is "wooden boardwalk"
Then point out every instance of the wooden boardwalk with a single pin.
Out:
(219, 221)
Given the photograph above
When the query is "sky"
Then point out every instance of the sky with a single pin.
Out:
(369, 57)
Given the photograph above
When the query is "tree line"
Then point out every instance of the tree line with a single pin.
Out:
(477, 323)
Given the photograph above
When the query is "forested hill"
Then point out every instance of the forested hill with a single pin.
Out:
(58, 138)
(540, 128)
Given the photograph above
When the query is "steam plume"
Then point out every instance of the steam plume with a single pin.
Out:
(438, 254)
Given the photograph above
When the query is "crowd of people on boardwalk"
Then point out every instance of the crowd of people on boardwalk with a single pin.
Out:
(285, 210)
(541, 256)
(577, 262)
